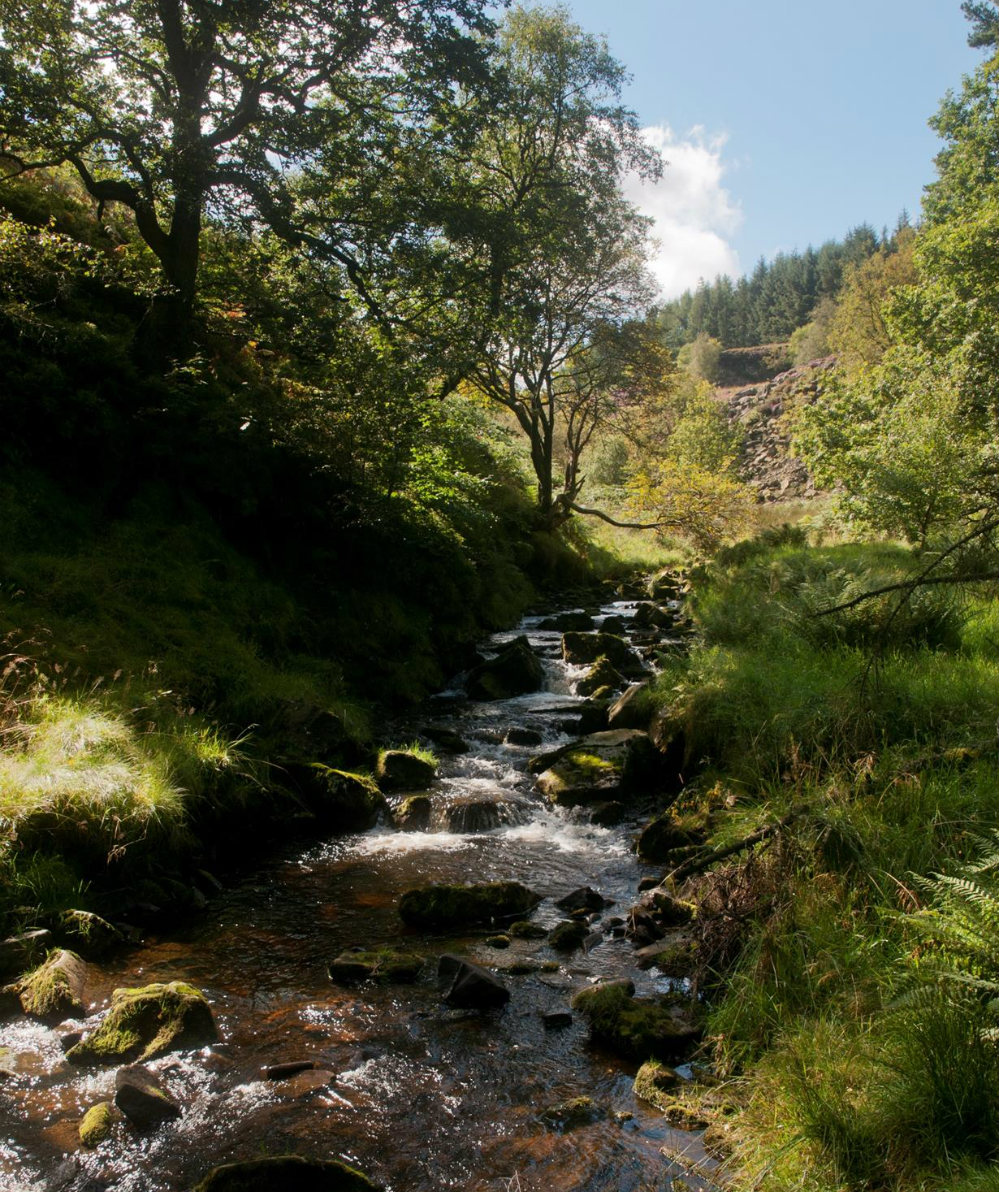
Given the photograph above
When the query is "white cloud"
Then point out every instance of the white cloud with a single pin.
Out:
(693, 213)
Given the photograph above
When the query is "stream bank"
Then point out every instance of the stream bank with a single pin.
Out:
(415, 1093)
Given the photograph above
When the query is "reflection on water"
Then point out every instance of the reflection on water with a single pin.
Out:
(421, 1096)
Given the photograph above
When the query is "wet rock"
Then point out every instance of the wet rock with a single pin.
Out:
(55, 989)
(666, 585)
(638, 1028)
(605, 815)
(387, 966)
(438, 907)
(413, 814)
(523, 736)
(88, 934)
(446, 739)
(669, 910)
(557, 1020)
(305, 1085)
(597, 768)
(472, 987)
(652, 616)
(349, 802)
(144, 1023)
(633, 709)
(615, 625)
(70, 1039)
(571, 1115)
(286, 1173)
(567, 936)
(18, 953)
(499, 942)
(583, 648)
(653, 1080)
(569, 622)
(514, 671)
(288, 1069)
(523, 930)
(403, 770)
(648, 883)
(96, 1124)
(674, 958)
(471, 814)
(142, 1099)
(582, 901)
(601, 681)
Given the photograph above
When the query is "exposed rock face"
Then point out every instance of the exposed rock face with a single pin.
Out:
(663, 835)
(144, 1023)
(401, 770)
(597, 768)
(472, 987)
(88, 934)
(439, 907)
(514, 671)
(757, 410)
(286, 1173)
(55, 989)
(570, 1115)
(142, 1099)
(446, 739)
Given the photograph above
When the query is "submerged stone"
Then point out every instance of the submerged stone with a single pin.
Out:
(286, 1173)
(144, 1023)
(387, 966)
(571, 1115)
(55, 989)
(439, 907)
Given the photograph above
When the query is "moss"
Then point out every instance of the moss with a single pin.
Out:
(405, 769)
(524, 930)
(637, 1029)
(354, 800)
(568, 935)
(144, 1023)
(652, 1082)
(283, 1172)
(443, 906)
(97, 1124)
(570, 1115)
(52, 990)
(387, 966)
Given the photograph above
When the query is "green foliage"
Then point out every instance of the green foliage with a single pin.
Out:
(700, 357)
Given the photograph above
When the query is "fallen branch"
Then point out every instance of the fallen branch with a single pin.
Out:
(702, 862)
(621, 525)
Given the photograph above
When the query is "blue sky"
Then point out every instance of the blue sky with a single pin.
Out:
(784, 124)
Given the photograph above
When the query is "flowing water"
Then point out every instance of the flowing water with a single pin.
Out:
(420, 1096)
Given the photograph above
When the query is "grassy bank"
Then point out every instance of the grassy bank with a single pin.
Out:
(850, 963)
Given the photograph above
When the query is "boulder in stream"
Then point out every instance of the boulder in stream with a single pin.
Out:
(583, 648)
(142, 1099)
(517, 735)
(144, 1023)
(632, 709)
(597, 768)
(387, 966)
(348, 802)
(602, 677)
(443, 907)
(404, 770)
(571, 1115)
(413, 814)
(286, 1173)
(96, 1124)
(568, 935)
(584, 900)
(516, 670)
(55, 989)
(88, 934)
(471, 986)
(568, 622)
(639, 1028)
(653, 1080)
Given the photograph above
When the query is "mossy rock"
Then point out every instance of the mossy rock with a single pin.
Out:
(441, 907)
(387, 966)
(144, 1023)
(525, 930)
(516, 670)
(637, 1029)
(404, 770)
(668, 832)
(285, 1173)
(571, 1115)
(654, 1081)
(584, 648)
(569, 935)
(97, 1123)
(597, 768)
(352, 801)
(55, 989)
(90, 935)
(413, 814)
(601, 681)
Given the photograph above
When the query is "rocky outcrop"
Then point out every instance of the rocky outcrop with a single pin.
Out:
(514, 671)
(144, 1023)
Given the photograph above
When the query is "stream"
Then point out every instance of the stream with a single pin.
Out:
(419, 1096)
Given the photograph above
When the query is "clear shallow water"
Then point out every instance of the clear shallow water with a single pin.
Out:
(420, 1096)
